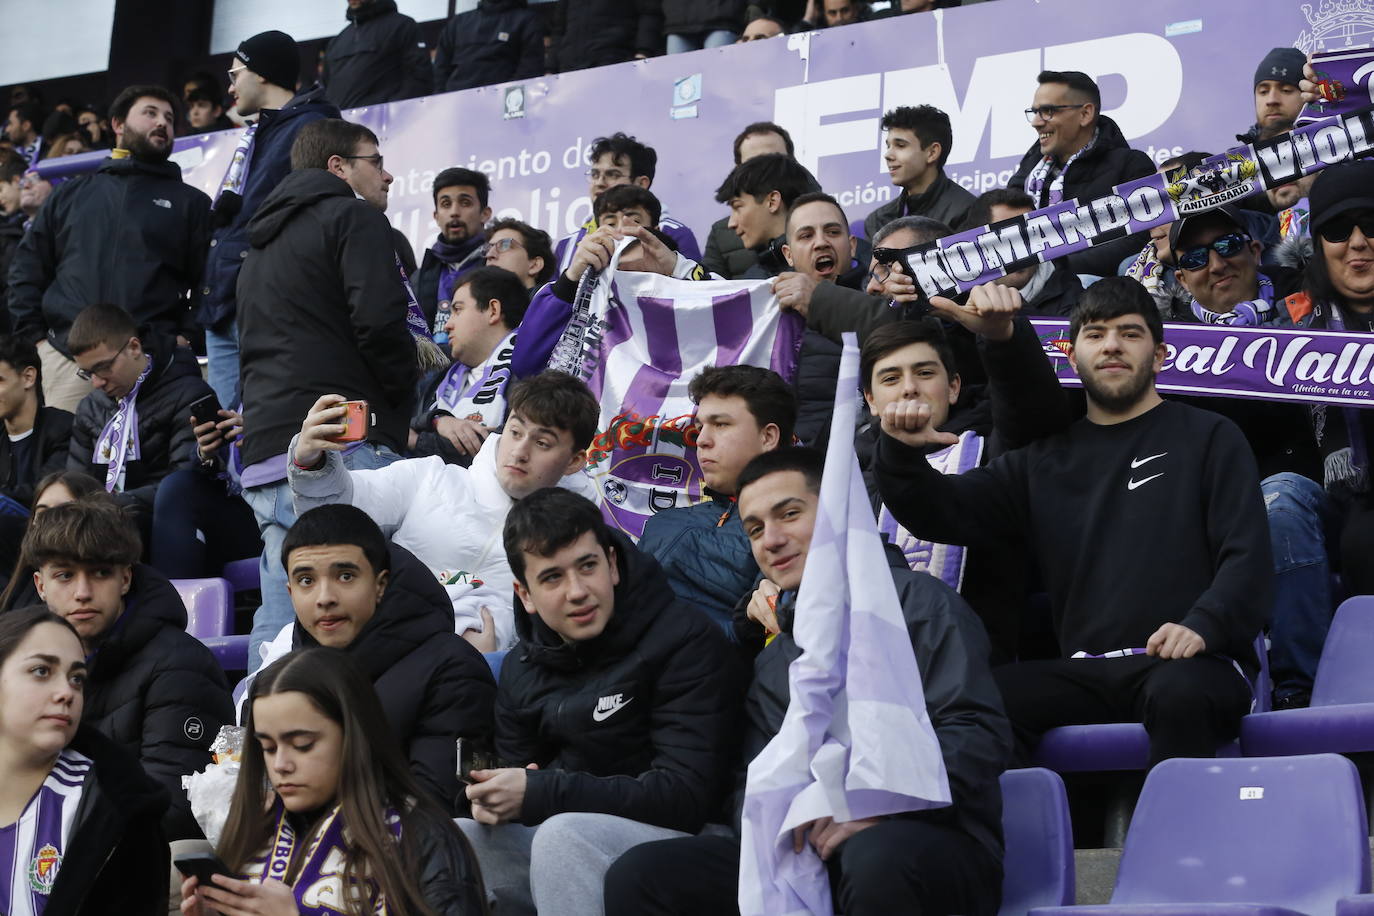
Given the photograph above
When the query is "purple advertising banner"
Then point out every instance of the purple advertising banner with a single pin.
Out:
(1174, 74)
(1320, 367)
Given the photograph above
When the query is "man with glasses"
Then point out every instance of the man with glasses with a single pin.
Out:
(621, 159)
(322, 308)
(460, 211)
(522, 249)
(262, 81)
(1079, 153)
(1218, 262)
(132, 233)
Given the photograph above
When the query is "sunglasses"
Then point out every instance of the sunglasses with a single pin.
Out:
(1341, 227)
(1228, 246)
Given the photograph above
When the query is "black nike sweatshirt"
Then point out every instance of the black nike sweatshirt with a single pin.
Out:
(1155, 520)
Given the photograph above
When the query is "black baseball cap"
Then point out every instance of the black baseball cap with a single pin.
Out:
(1223, 214)
(1339, 189)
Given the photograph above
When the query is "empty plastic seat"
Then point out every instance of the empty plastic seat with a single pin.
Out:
(209, 606)
(230, 651)
(1260, 835)
(1038, 865)
(243, 575)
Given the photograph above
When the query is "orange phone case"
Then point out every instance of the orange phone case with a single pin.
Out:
(355, 422)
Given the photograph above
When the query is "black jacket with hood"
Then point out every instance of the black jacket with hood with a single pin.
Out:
(500, 41)
(132, 234)
(379, 57)
(434, 686)
(158, 692)
(52, 436)
(1110, 162)
(637, 722)
(116, 860)
(321, 309)
(593, 33)
(165, 440)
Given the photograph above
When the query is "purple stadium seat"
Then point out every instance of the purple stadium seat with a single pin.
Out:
(230, 651)
(209, 606)
(243, 575)
(1341, 717)
(1262, 835)
(1038, 866)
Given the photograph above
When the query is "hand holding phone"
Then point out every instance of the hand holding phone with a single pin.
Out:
(201, 865)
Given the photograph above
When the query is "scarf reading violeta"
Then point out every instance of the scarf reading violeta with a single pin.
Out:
(118, 442)
(319, 886)
(484, 398)
(1035, 181)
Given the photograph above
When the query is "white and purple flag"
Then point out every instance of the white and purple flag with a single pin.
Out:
(857, 741)
(637, 340)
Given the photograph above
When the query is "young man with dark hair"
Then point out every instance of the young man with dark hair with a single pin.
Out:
(12, 220)
(131, 233)
(946, 860)
(322, 308)
(262, 81)
(36, 437)
(1278, 100)
(918, 143)
(627, 205)
(134, 428)
(205, 112)
(382, 606)
(379, 57)
(150, 687)
(461, 209)
(466, 401)
(1080, 153)
(725, 254)
(742, 412)
(615, 160)
(522, 249)
(552, 420)
(22, 129)
(614, 720)
(1049, 288)
(760, 193)
(1150, 487)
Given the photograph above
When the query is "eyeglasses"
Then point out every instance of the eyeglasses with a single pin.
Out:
(1046, 112)
(608, 175)
(103, 367)
(880, 273)
(1342, 227)
(31, 181)
(1228, 246)
(233, 73)
(500, 246)
(375, 159)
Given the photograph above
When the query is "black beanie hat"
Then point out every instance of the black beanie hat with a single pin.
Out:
(272, 56)
(1282, 64)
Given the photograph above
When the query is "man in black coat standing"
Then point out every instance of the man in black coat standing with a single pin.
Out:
(499, 41)
(614, 715)
(379, 57)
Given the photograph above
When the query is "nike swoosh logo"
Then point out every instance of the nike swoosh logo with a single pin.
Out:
(1132, 484)
(601, 715)
(1139, 461)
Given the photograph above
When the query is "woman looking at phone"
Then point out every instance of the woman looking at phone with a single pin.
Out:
(80, 830)
(325, 816)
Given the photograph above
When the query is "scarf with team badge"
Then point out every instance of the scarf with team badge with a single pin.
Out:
(484, 398)
(118, 442)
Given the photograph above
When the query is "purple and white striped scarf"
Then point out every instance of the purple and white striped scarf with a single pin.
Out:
(485, 398)
(857, 741)
(1250, 314)
(1035, 181)
(943, 561)
(118, 442)
(236, 176)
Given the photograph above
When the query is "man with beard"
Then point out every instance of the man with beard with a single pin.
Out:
(460, 212)
(1139, 488)
(1277, 98)
(131, 234)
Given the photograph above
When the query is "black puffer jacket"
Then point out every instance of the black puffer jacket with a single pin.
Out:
(693, 17)
(11, 231)
(116, 862)
(166, 443)
(131, 233)
(158, 692)
(1110, 162)
(434, 686)
(379, 57)
(52, 435)
(725, 254)
(637, 722)
(321, 309)
(593, 33)
(501, 40)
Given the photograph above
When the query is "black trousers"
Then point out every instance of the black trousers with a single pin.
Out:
(1189, 706)
(894, 868)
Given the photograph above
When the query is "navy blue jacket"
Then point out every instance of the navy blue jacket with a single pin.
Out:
(705, 553)
(216, 302)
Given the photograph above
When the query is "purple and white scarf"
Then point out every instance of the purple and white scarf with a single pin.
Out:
(1035, 181)
(118, 442)
(319, 886)
(1250, 314)
(31, 848)
(427, 353)
(236, 176)
(484, 399)
(1346, 467)
(943, 561)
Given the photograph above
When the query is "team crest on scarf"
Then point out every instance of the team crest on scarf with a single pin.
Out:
(43, 869)
(1212, 184)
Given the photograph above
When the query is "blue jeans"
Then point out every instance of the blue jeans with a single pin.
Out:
(222, 351)
(275, 510)
(1299, 513)
(677, 44)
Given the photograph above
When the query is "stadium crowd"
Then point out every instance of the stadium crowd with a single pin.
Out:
(447, 516)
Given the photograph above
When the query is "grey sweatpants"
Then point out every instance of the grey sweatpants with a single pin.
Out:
(557, 868)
